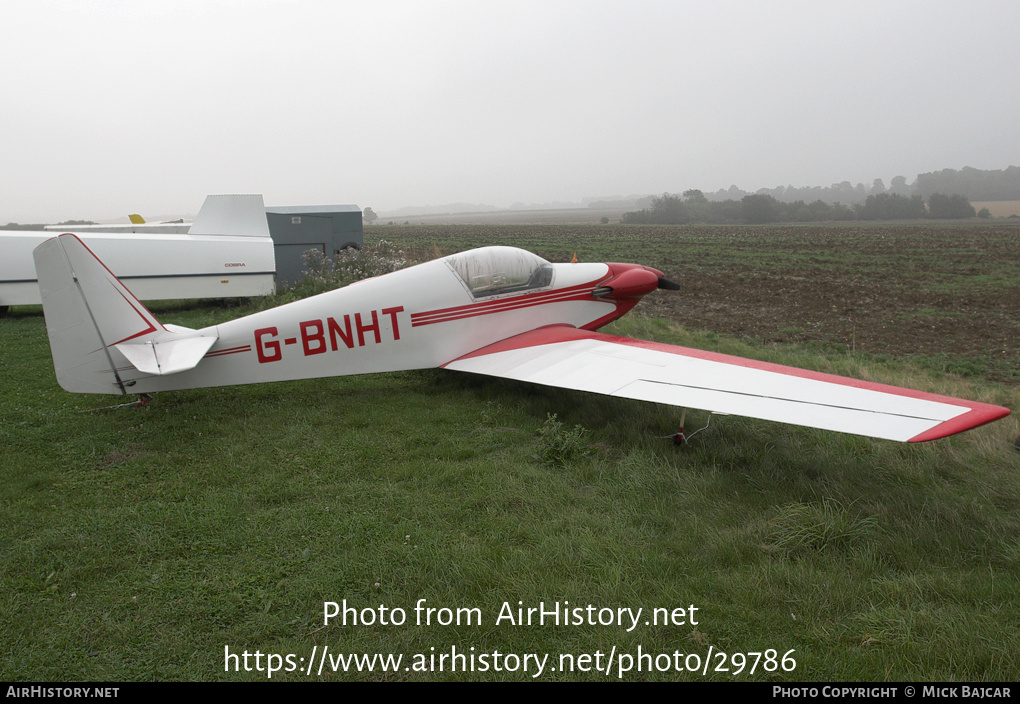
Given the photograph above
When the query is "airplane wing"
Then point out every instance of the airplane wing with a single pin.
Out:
(567, 357)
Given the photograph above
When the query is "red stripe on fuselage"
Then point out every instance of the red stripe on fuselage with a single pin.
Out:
(572, 293)
(229, 350)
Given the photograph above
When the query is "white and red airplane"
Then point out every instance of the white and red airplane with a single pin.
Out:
(499, 311)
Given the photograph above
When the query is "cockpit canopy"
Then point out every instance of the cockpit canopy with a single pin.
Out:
(491, 271)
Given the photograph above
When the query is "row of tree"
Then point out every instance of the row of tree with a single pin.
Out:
(693, 206)
(975, 184)
(40, 226)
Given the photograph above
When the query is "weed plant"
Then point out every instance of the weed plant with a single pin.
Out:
(557, 446)
(322, 273)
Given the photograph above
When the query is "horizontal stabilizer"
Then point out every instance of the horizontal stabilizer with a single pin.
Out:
(565, 357)
(166, 356)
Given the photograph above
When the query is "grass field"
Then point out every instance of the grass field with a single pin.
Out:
(156, 543)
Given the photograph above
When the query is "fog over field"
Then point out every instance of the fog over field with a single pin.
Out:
(111, 107)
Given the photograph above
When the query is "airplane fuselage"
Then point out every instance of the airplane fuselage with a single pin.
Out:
(420, 317)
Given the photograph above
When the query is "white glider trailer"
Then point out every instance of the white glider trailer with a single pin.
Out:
(226, 253)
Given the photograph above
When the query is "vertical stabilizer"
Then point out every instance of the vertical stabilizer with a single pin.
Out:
(231, 215)
(87, 311)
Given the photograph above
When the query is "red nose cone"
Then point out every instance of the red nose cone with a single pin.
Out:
(632, 283)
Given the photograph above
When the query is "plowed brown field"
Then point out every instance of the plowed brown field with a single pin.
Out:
(948, 293)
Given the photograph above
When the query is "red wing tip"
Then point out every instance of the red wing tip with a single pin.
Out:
(977, 416)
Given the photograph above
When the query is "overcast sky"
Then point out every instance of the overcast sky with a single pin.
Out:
(116, 106)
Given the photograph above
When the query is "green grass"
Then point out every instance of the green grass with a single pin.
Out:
(137, 543)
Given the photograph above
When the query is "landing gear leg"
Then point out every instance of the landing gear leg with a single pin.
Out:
(680, 438)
